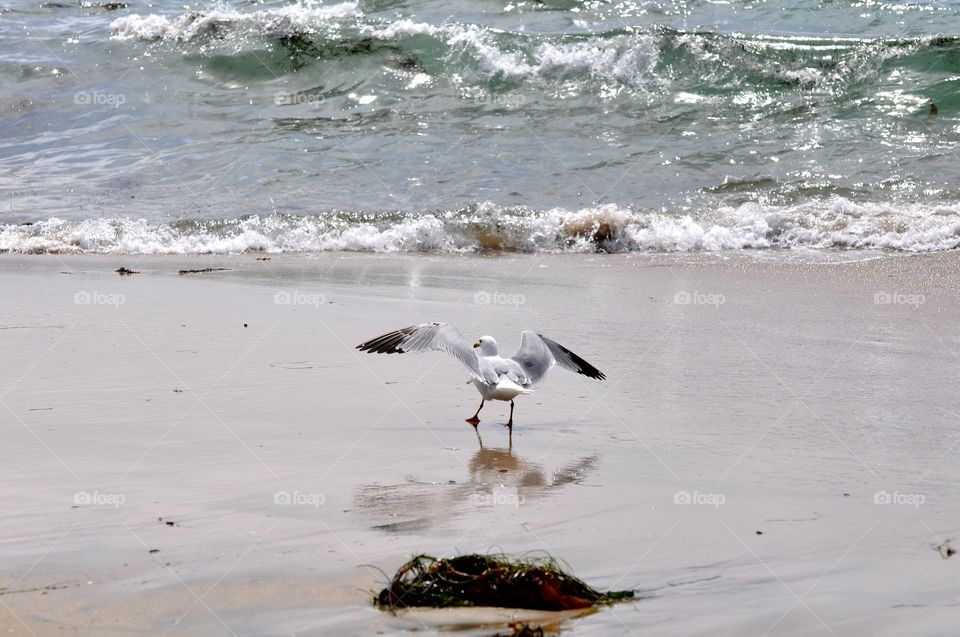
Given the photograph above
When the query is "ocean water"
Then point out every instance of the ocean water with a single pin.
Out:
(538, 125)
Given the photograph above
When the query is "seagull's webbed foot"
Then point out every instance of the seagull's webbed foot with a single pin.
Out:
(474, 419)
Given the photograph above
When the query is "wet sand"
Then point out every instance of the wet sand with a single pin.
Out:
(775, 451)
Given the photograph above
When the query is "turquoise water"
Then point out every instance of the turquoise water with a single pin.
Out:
(553, 125)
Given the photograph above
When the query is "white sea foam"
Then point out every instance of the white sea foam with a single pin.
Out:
(490, 57)
(628, 59)
(185, 27)
(404, 28)
(835, 224)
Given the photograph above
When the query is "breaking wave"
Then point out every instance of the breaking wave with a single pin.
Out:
(641, 58)
(836, 224)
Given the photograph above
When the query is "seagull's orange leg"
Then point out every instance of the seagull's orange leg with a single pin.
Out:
(474, 420)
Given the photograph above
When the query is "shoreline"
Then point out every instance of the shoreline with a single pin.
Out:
(824, 225)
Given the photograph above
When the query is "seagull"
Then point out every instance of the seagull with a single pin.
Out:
(496, 378)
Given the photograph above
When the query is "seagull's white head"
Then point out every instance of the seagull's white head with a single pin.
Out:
(488, 346)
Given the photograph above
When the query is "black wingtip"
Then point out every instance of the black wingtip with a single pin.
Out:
(583, 367)
(390, 343)
(592, 372)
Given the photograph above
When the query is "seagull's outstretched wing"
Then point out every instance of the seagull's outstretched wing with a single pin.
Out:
(426, 337)
(538, 354)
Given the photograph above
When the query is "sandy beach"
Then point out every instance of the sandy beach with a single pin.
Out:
(774, 451)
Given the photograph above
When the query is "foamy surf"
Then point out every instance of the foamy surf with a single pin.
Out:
(193, 24)
(489, 228)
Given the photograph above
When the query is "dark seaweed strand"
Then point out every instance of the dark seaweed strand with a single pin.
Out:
(393, 599)
(551, 565)
(418, 580)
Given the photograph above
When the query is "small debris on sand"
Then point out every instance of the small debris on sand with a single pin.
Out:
(945, 550)
(126, 271)
(201, 271)
(263, 258)
(490, 580)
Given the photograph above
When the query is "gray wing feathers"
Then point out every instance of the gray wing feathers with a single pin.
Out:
(538, 354)
(533, 357)
(441, 337)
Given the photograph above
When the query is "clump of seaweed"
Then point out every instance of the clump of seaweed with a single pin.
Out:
(490, 580)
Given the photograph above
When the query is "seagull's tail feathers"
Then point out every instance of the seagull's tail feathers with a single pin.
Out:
(508, 389)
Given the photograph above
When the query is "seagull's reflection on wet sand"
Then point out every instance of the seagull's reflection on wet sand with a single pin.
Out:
(495, 476)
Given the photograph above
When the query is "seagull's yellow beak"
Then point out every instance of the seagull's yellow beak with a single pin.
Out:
(476, 345)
